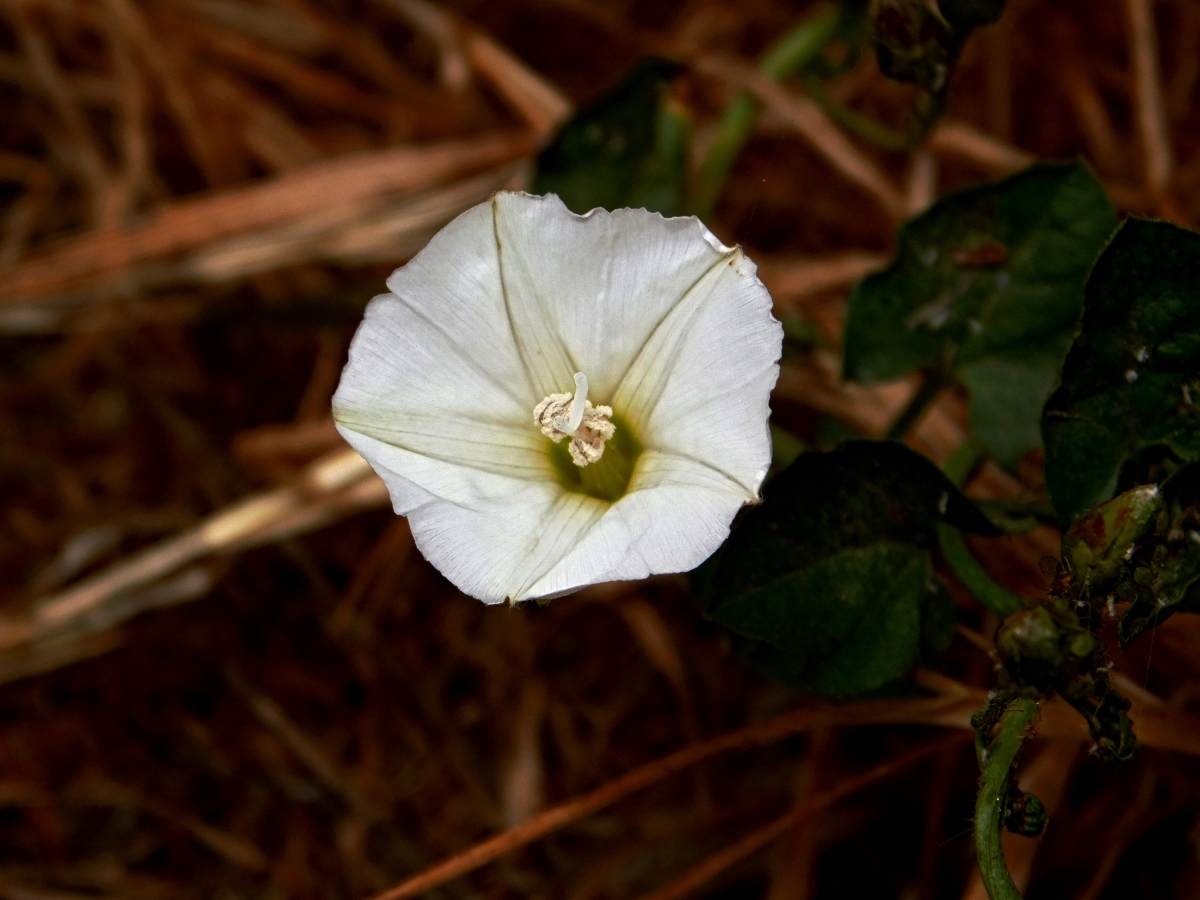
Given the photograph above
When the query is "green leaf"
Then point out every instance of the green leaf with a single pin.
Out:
(1130, 390)
(832, 573)
(986, 285)
(937, 620)
(629, 149)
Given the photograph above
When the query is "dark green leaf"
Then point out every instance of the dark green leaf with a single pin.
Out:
(833, 571)
(832, 431)
(937, 620)
(988, 285)
(1130, 388)
(628, 149)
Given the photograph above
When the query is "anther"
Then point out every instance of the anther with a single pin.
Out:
(565, 416)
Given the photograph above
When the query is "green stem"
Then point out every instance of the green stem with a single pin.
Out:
(967, 570)
(935, 381)
(791, 53)
(996, 777)
(958, 555)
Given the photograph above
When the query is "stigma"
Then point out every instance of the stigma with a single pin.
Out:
(565, 415)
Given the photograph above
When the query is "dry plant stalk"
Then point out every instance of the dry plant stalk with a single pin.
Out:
(339, 184)
(793, 279)
(756, 840)
(813, 125)
(953, 710)
(958, 139)
(338, 484)
(1147, 97)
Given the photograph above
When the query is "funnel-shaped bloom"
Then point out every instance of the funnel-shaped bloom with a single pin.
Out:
(558, 400)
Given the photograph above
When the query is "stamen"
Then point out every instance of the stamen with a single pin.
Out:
(563, 416)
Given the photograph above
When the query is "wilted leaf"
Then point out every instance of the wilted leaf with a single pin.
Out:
(627, 149)
(833, 571)
(1130, 390)
(987, 285)
(918, 40)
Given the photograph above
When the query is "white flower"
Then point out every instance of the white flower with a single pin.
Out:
(459, 393)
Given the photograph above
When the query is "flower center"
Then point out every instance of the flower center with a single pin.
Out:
(598, 460)
(566, 416)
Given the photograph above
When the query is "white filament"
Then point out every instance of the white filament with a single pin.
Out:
(570, 423)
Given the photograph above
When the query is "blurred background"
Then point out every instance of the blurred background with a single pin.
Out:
(227, 673)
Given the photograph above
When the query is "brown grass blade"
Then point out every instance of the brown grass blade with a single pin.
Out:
(290, 197)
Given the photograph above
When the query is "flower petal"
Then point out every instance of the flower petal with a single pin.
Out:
(454, 469)
(533, 540)
(435, 388)
(700, 388)
(586, 292)
(676, 515)
(494, 549)
(446, 318)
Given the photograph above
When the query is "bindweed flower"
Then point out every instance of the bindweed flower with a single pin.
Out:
(558, 400)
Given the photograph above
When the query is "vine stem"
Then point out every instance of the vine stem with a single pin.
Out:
(958, 555)
(935, 381)
(996, 762)
(974, 578)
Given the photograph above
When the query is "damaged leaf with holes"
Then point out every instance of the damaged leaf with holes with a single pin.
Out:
(986, 287)
(830, 581)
